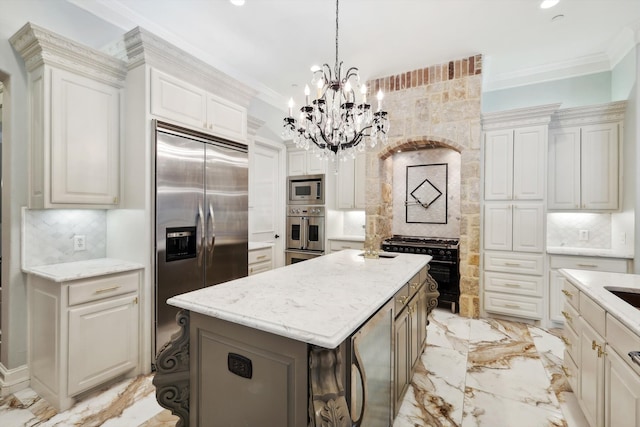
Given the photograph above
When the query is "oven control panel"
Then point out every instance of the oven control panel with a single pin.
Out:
(305, 211)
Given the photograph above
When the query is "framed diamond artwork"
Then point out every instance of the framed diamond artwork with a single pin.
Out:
(426, 200)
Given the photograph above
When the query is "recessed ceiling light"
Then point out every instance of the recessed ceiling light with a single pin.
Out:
(546, 4)
(237, 2)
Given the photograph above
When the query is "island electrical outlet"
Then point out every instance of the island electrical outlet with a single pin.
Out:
(79, 243)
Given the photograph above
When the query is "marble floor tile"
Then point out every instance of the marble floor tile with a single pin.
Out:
(474, 372)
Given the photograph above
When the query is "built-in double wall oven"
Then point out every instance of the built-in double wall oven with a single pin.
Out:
(305, 218)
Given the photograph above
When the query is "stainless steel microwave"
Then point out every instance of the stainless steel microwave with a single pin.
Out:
(306, 190)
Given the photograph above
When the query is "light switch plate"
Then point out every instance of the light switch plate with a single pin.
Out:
(584, 235)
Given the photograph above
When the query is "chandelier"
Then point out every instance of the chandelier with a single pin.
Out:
(335, 124)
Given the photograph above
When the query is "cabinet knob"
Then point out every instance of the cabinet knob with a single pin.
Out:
(567, 293)
(567, 316)
(601, 352)
(594, 344)
(565, 340)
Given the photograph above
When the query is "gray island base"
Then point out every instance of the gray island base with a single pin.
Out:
(329, 342)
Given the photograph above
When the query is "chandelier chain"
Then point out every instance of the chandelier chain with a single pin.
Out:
(337, 9)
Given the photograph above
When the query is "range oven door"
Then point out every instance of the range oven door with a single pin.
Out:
(293, 257)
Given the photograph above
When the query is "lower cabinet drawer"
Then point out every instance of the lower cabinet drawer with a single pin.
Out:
(259, 267)
(339, 245)
(513, 305)
(571, 294)
(622, 340)
(589, 263)
(570, 339)
(571, 371)
(513, 262)
(93, 289)
(571, 316)
(259, 255)
(513, 283)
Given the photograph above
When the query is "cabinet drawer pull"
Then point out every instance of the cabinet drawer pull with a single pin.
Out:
(103, 290)
(512, 305)
(565, 340)
(512, 285)
(345, 247)
(587, 265)
(414, 285)
(566, 371)
(402, 299)
(512, 264)
(261, 257)
(135, 301)
(567, 293)
(566, 315)
(635, 357)
(594, 344)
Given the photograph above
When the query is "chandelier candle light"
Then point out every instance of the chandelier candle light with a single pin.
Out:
(334, 122)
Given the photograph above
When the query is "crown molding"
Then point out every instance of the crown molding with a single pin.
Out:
(141, 47)
(579, 116)
(531, 116)
(253, 125)
(39, 46)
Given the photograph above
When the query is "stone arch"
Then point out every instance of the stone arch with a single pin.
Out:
(419, 143)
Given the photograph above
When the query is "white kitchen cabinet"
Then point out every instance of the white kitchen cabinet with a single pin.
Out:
(82, 333)
(260, 260)
(303, 162)
(622, 392)
(350, 183)
(515, 163)
(75, 115)
(584, 156)
(179, 101)
(514, 227)
(556, 280)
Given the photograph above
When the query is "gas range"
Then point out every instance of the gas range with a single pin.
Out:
(440, 249)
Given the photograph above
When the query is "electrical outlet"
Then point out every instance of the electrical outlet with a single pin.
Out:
(79, 243)
(584, 235)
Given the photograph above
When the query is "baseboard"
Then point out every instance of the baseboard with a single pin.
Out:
(12, 380)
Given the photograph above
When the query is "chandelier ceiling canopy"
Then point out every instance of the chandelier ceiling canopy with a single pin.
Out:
(335, 123)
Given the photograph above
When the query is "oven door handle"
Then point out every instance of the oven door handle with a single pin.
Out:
(303, 233)
(433, 261)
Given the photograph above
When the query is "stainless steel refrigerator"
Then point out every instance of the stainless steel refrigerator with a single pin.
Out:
(201, 217)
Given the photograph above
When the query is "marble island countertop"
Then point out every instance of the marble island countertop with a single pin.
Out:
(67, 271)
(593, 284)
(596, 252)
(320, 301)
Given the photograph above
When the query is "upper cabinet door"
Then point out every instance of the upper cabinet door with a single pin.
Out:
(176, 100)
(498, 165)
(600, 166)
(226, 119)
(529, 152)
(564, 169)
(85, 140)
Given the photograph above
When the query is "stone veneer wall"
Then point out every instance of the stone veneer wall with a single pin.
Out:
(437, 106)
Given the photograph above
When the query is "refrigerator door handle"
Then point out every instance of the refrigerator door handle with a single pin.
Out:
(212, 228)
(202, 234)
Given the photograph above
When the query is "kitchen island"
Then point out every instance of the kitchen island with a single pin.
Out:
(277, 342)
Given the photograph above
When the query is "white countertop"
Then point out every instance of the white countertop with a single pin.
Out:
(320, 301)
(67, 271)
(259, 245)
(593, 284)
(596, 252)
(348, 238)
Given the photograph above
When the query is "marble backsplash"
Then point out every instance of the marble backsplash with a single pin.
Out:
(427, 157)
(563, 229)
(47, 235)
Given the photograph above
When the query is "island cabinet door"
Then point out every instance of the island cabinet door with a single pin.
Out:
(403, 366)
(245, 377)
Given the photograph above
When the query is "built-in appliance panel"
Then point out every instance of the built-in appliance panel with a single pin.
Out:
(589, 263)
(103, 287)
(593, 314)
(513, 305)
(514, 283)
(510, 262)
(571, 294)
(622, 340)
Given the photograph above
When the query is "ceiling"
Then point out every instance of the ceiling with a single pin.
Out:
(271, 44)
